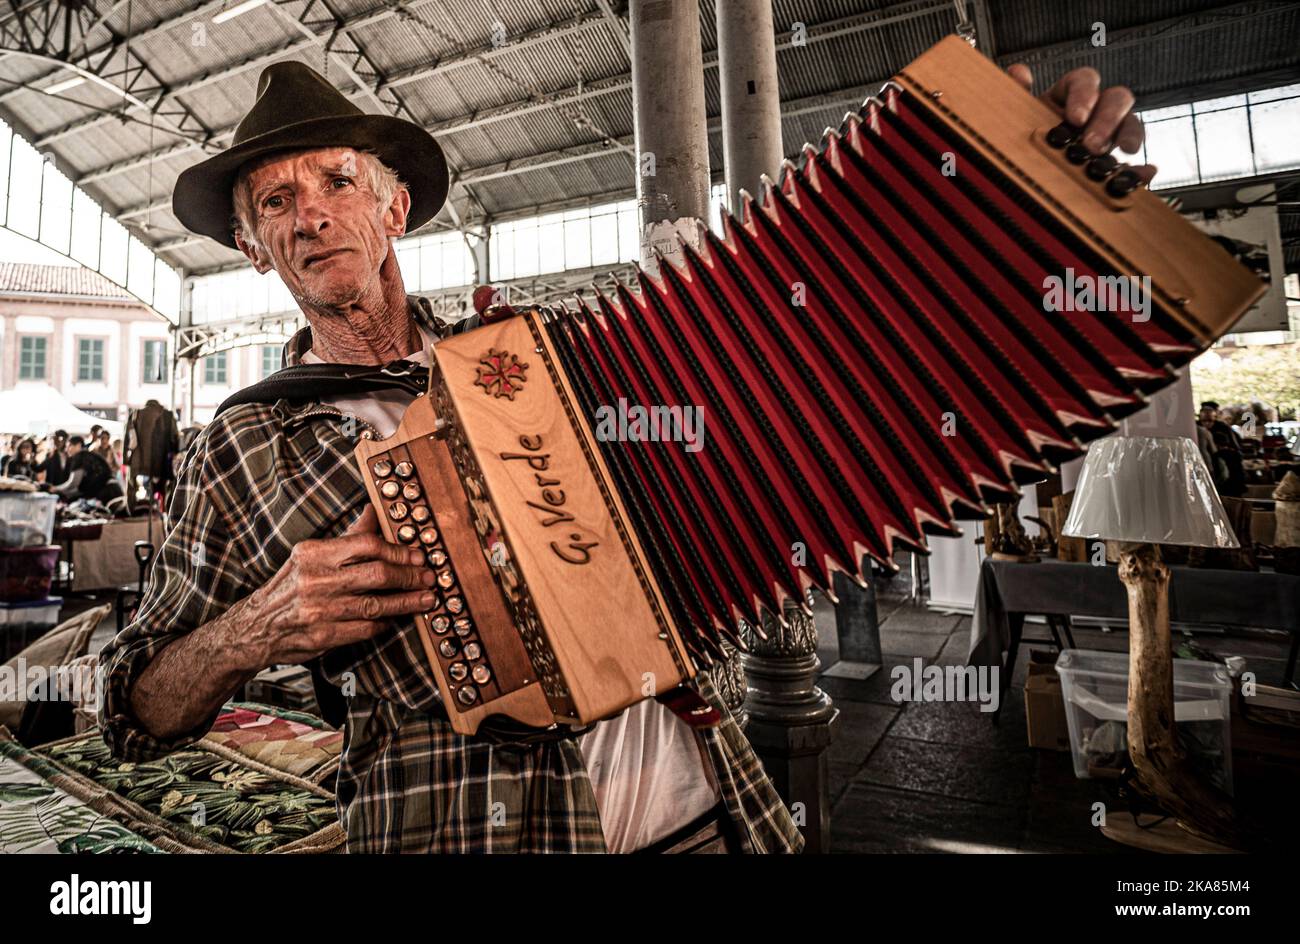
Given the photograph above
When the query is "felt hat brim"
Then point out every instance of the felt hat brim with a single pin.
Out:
(203, 199)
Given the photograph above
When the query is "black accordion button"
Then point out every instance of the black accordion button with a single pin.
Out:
(1077, 154)
(1123, 183)
(1062, 135)
(1099, 168)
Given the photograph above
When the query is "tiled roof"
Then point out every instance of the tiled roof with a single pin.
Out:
(34, 279)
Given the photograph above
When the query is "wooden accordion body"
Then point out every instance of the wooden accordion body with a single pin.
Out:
(872, 358)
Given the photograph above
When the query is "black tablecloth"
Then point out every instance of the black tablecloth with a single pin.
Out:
(1237, 598)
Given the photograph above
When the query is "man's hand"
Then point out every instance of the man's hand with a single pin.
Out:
(336, 591)
(1105, 115)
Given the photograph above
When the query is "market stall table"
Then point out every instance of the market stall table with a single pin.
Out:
(1011, 590)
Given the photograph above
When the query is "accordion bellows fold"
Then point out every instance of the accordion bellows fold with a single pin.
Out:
(944, 301)
(874, 356)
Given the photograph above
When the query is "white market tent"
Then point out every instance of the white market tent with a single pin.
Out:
(37, 410)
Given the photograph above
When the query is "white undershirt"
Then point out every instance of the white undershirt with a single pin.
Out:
(646, 765)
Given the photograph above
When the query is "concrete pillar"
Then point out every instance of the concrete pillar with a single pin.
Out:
(672, 137)
(751, 98)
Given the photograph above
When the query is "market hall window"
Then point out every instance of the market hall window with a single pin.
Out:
(214, 368)
(31, 358)
(90, 359)
(155, 362)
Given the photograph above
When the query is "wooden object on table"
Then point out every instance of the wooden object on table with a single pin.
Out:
(1229, 558)
(1004, 535)
(1154, 835)
(1067, 549)
(1161, 765)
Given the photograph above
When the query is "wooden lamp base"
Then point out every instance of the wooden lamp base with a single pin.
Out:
(1162, 769)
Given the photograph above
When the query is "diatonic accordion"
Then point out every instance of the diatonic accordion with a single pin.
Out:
(874, 351)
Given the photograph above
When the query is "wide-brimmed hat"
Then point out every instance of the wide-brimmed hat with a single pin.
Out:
(297, 108)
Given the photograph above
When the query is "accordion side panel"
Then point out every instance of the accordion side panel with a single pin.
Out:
(512, 690)
(1194, 280)
(596, 603)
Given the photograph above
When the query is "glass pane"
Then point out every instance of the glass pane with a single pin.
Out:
(1160, 114)
(166, 291)
(408, 260)
(577, 242)
(550, 236)
(140, 273)
(56, 209)
(1218, 104)
(604, 239)
(113, 251)
(1269, 95)
(1171, 146)
(1276, 129)
(453, 261)
(629, 234)
(85, 229)
(526, 250)
(1223, 143)
(25, 189)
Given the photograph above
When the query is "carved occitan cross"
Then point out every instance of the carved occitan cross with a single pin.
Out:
(501, 374)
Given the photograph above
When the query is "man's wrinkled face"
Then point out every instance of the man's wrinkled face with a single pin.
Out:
(320, 226)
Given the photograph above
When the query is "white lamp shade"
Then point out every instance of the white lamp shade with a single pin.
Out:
(1151, 490)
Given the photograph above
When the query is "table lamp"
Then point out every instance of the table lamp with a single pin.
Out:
(1142, 491)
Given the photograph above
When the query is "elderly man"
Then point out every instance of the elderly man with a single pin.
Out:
(273, 555)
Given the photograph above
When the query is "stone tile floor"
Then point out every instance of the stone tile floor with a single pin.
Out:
(942, 777)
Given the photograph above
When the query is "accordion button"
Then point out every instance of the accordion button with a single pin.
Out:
(403, 469)
(447, 648)
(463, 626)
(406, 533)
(1075, 154)
(445, 579)
(398, 510)
(482, 674)
(411, 491)
(1062, 135)
(390, 489)
(440, 624)
(428, 536)
(455, 604)
(420, 514)
(458, 671)
(437, 558)
(382, 469)
(467, 694)
(1099, 168)
(473, 651)
(1123, 183)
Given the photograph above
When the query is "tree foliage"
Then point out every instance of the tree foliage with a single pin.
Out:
(1269, 373)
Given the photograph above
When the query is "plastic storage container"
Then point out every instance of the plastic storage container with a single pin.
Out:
(1095, 688)
(27, 572)
(21, 624)
(27, 519)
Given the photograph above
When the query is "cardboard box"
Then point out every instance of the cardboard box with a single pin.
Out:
(1044, 704)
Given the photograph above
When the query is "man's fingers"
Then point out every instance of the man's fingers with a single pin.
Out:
(1145, 171)
(350, 631)
(1113, 106)
(1131, 134)
(358, 548)
(1022, 75)
(384, 575)
(368, 523)
(377, 606)
(1075, 94)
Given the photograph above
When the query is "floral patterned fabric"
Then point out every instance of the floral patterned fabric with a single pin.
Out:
(229, 802)
(37, 816)
(290, 741)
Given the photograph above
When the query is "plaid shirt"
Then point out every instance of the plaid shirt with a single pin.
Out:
(261, 478)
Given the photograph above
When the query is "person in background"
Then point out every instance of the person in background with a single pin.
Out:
(53, 469)
(88, 474)
(103, 447)
(1229, 472)
(22, 464)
